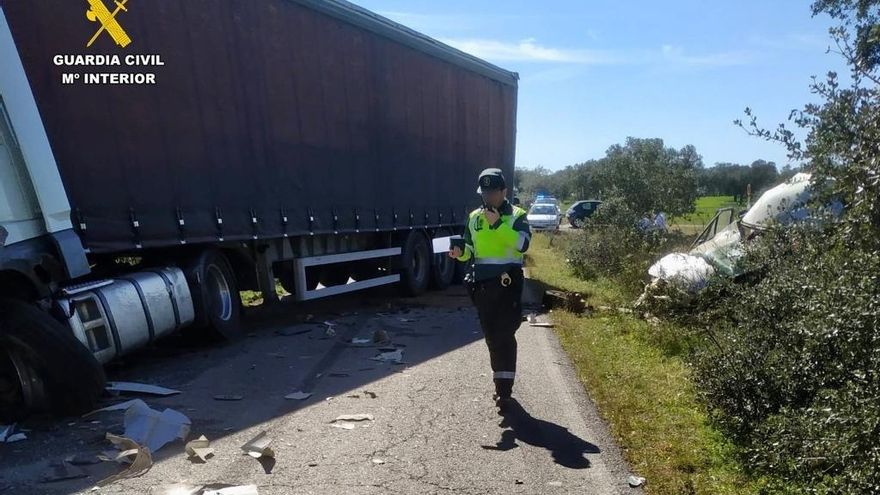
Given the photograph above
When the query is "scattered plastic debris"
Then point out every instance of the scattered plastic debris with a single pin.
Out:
(258, 446)
(200, 449)
(152, 429)
(344, 426)
(141, 463)
(635, 481)
(298, 395)
(542, 325)
(5, 431)
(16, 437)
(358, 341)
(61, 471)
(331, 332)
(234, 490)
(115, 407)
(390, 357)
(378, 461)
(140, 388)
(180, 489)
(354, 417)
(225, 397)
(532, 318)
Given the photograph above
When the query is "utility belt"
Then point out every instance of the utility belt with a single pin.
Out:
(511, 276)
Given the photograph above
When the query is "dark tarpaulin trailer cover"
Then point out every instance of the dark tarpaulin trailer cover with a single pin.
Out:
(268, 117)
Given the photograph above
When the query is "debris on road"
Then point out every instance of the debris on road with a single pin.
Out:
(83, 459)
(369, 394)
(357, 341)
(532, 318)
(344, 426)
(298, 395)
(140, 388)
(152, 429)
(199, 448)
(378, 461)
(331, 332)
(258, 446)
(8, 435)
(141, 463)
(395, 356)
(225, 397)
(62, 471)
(381, 336)
(234, 490)
(571, 301)
(541, 324)
(115, 407)
(179, 489)
(635, 481)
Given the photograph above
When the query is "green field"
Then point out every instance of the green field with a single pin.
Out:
(705, 209)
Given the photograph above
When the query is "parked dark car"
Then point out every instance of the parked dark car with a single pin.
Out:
(580, 211)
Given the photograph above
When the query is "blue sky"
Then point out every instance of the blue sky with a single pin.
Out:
(596, 71)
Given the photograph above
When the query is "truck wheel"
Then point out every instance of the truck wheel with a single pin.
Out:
(43, 365)
(442, 271)
(215, 296)
(415, 271)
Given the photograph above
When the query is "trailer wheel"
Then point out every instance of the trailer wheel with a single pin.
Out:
(43, 366)
(415, 271)
(215, 296)
(442, 270)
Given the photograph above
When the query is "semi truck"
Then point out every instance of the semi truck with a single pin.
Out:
(159, 157)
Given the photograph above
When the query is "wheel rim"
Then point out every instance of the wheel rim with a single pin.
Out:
(219, 294)
(21, 389)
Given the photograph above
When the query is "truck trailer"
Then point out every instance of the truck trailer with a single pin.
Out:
(158, 157)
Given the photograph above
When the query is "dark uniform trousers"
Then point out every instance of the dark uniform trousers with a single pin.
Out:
(500, 313)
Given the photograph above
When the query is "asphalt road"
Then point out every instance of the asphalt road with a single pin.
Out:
(434, 430)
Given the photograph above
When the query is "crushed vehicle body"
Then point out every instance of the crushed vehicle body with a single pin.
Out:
(720, 246)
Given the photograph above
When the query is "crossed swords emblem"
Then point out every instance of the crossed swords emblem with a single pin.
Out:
(98, 12)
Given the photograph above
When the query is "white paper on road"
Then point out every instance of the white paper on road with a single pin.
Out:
(142, 462)
(259, 446)
(391, 357)
(141, 388)
(152, 429)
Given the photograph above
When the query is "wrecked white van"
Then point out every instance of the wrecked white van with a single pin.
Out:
(720, 246)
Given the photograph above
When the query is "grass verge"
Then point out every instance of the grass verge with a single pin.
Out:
(636, 375)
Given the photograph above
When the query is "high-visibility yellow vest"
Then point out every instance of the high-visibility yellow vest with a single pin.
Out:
(503, 245)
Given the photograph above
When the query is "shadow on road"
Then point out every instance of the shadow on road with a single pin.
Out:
(566, 448)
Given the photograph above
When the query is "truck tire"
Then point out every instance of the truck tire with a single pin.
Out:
(442, 270)
(415, 271)
(215, 296)
(54, 369)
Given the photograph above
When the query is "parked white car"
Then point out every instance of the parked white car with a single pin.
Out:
(543, 216)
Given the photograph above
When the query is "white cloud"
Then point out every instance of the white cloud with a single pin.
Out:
(527, 50)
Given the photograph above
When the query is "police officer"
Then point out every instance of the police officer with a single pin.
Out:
(496, 236)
